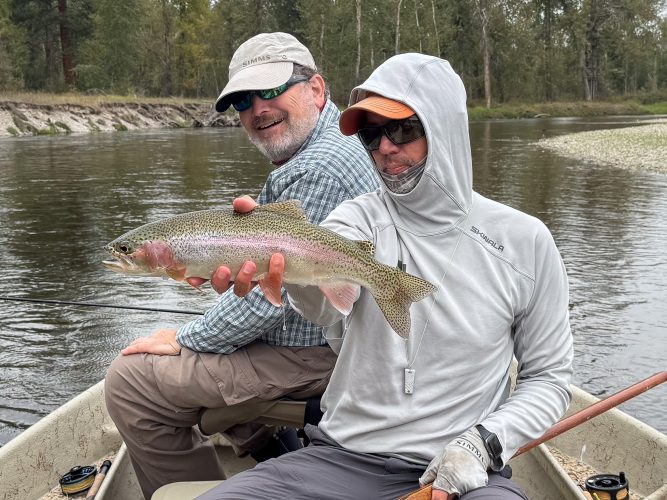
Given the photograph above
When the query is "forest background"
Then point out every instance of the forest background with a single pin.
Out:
(505, 50)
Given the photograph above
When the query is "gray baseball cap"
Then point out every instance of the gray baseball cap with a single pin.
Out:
(265, 61)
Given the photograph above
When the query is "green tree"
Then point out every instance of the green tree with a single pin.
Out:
(632, 40)
(504, 50)
(13, 54)
(53, 31)
(38, 19)
(110, 60)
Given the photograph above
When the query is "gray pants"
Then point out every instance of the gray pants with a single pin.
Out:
(156, 403)
(325, 471)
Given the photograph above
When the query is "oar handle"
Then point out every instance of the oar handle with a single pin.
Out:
(424, 493)
(596, 409)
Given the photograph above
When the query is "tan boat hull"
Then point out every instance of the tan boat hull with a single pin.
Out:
(81, 432)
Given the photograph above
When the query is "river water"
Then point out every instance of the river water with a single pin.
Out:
(63, 198)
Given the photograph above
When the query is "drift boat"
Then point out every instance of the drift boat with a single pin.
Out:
(82, 433)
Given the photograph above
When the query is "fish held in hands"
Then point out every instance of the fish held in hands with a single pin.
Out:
(190, 247)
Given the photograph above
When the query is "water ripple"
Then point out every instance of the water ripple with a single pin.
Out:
(63, 198)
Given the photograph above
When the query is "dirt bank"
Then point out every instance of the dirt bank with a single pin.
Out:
(24, 119)
(638, 147)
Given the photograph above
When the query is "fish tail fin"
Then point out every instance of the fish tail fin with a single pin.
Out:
(395, 296)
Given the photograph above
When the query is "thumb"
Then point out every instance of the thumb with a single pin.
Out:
(428, 476)
(244, 204)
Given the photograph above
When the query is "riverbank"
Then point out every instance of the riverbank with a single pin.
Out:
(37, 113)
(18, 119)
(509, 111)
(639, 147)
(642, 147)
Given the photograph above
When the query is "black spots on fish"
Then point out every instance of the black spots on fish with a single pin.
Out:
(208, 237)
(366, 246)
(288, 208)
(394, 291)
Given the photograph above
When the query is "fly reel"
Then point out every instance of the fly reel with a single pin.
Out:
(78, 479)
(608, 487)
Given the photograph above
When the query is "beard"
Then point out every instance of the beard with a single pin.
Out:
(405, 181)
(281, 149)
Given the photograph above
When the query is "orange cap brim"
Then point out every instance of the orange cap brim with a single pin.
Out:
(354, 117)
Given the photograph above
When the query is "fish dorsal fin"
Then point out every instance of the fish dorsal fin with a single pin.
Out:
(366, 246)
(289, 208)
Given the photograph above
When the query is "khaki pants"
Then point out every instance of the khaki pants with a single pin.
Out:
(156, 403)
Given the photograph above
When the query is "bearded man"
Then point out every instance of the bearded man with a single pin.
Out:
(438, 407)
(243, 350)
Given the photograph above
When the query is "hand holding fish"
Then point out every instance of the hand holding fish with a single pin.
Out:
(162, 342)
(222, 277)
(269, 244)
(243, 282)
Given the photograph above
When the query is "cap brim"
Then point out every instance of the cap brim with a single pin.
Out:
(354, 117)
(256, 77)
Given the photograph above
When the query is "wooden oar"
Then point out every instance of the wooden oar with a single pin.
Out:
(424, 493)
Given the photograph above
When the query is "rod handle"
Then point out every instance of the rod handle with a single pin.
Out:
(104, 468)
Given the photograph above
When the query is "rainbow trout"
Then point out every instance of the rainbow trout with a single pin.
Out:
(191, 246)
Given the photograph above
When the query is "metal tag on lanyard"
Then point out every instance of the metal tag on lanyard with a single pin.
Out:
(409, 381)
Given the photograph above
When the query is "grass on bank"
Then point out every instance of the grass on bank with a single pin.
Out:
(562, 109)
(476, 111)
(45, 98)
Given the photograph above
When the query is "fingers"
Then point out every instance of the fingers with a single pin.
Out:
(271, 284)
(221, 279)
(137, 346)
(243, 282)
(442, 495)
(244, 204)
(162, 342)
(151, 347)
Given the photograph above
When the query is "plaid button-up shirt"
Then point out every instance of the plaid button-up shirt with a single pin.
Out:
(328, 169)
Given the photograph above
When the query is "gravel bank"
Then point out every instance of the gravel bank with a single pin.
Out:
(23, 119)
(639, 147)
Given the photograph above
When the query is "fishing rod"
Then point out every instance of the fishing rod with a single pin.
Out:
(96, 304)
(593, 410)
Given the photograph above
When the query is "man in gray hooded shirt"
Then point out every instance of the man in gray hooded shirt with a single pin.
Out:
(436, 407)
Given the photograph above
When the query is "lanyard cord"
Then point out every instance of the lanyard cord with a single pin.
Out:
(430, 311)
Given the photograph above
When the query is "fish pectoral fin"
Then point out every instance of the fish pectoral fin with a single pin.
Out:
(290, 208)
(342, 295)
(176, 273)
(196, 282)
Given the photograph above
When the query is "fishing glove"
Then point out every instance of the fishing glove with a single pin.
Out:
(461, 466)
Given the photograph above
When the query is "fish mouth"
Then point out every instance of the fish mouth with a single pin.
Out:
(121, 264)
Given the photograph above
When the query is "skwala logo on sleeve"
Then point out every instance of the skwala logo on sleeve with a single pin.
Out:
(488, 240)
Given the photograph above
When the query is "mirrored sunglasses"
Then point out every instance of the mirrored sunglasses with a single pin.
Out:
(243, 100)
(397, 131)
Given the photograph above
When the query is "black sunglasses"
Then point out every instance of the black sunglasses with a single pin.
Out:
(397, 131)
(243, 100)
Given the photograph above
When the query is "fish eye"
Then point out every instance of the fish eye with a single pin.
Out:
(125, 247)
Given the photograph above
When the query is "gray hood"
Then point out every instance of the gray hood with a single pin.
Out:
(430, 87)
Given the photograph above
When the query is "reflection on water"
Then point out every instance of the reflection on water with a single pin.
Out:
(609, 225)
(63, 198)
